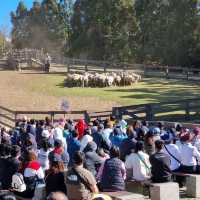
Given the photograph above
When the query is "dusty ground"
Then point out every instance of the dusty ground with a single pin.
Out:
(16, 94)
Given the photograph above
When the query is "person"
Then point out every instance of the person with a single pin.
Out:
(160, 164)
(4, 165)
(43, 154)
(92, 160)
(7, 195)
(47, 63)
(81, 184)
(13, 163)
(190, 157)
(59, 150)
(117, 136)
(99, 138)
(57, 196)
(80, 127)
(55, 180)
(128, 144)
(173, 151)
(138, 163)
(107, 131)
(33, 174)
(113, 172)
(149, 143)
(196, 138)
(86, 139)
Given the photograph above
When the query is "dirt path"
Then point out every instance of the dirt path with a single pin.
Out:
(15, 95)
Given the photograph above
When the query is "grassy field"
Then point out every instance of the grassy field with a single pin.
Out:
(149, 90)
(37, 91)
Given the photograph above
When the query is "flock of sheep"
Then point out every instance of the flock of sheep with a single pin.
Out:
(101, 79)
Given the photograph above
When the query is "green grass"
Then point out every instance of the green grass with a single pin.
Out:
(150, 90)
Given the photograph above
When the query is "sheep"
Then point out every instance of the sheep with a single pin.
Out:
(102, 79)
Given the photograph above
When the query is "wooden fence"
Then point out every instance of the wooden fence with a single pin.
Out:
(183, 110)
(9, 117)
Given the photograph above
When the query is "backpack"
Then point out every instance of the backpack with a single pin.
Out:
(18, 183)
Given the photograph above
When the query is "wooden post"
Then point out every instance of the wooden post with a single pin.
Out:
(68, 68)
(187, 110)
(149, 113)
(52, 117)
(86, 116)
(167, 72)
(187, 74)
(86, 68)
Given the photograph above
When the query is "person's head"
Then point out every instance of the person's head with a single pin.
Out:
(144, 123)
(58, 143)
(57, 166)
(87, 131)
(136, 124)
(149, 138)
(57, 196)
(159, 144)
(96, 122)
(15, 151)
(114, 152)
(139, 146)
(78, 158)
(75, 133)
(178, 127)
(160, 125)
(45, 145)
(100, 127)
(130, 132)
(32, 121)
(30, 156)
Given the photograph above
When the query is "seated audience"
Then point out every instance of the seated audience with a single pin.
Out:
(55, 180)
(138, 164)
(92, 160)
(57, 196)
(190, 157)
(81, 184)
(113, 172)
(160, 164)
(59, 150)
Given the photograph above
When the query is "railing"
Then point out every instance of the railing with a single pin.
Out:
(183, 110)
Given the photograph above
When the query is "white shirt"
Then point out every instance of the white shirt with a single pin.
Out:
(189, 154)
(174, 150)
(106, 134)
(140, 171)
(197, 143)
(85, 140)
(43, 158)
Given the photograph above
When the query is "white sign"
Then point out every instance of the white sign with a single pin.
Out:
(65, 105)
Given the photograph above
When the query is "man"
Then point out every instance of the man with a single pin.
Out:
(81, 184)
(160, 163)
(73, 145)
(57, 196)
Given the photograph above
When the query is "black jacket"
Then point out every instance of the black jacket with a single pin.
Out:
(160, 169)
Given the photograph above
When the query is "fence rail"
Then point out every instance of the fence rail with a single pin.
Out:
(183, 110)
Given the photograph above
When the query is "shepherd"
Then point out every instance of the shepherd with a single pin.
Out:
(47, 63)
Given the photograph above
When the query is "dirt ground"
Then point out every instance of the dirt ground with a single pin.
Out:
(16, 95)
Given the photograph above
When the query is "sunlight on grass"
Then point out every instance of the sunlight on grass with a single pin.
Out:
(151, 90)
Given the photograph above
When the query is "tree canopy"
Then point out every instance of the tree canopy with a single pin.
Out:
(162, 31)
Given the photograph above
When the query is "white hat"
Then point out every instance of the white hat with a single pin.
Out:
(45, 133)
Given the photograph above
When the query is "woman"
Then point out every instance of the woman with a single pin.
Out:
(33, 174)
(55, 176)
(43, 154)
(138, 163)
(113, 173)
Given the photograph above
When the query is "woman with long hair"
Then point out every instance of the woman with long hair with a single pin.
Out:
(55, 180)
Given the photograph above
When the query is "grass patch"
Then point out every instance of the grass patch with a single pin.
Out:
(150, 90)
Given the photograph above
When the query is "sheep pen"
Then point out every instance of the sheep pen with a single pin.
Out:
(101, 79)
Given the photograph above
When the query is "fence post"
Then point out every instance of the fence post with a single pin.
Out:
(187, 74)
(167, 72)
(104, 67)
(149, 113)
(52, 117)
(86, 68)
(86, 116)
(187, 110)
(68, 68)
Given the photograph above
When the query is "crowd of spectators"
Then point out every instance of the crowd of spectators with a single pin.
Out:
(78, 160)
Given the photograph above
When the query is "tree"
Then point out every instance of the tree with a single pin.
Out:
(166, 30)
(103, 29)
